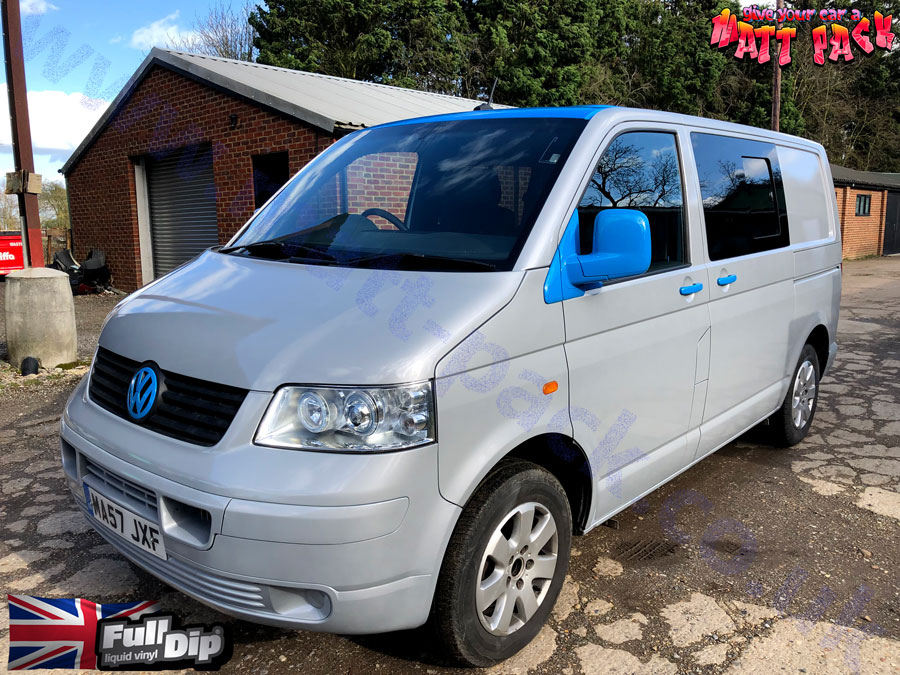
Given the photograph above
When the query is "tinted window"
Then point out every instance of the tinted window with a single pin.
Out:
(639, 170)
(743, 195)
(467, 192)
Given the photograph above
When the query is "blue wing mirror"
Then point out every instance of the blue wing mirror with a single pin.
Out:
(621, 249)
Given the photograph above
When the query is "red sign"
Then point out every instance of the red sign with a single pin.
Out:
(11, 253)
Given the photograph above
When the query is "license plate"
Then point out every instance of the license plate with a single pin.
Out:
(130, 526)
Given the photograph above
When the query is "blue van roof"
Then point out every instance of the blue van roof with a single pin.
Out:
(581, 112)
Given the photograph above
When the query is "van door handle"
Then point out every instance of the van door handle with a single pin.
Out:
(724, 281)
(690, 290)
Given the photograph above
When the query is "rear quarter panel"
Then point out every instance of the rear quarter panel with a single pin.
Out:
(816, 244)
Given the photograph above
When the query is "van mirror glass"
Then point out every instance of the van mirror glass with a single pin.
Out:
(621, 249)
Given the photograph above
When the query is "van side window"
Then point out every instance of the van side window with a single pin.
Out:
(743, 195)
(639, 170)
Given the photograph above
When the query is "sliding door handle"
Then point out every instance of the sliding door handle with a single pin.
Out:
(724, 281)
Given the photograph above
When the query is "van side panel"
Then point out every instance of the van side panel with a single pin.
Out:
(816, 300)
(750, 325)
(815, 238)
(807, 200)
(489, 389)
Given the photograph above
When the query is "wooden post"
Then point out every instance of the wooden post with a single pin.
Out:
(776, 82)
(32, 240)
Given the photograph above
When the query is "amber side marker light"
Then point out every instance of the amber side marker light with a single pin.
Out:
(550, 387)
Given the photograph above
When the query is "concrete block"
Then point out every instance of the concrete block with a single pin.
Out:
(40, 317)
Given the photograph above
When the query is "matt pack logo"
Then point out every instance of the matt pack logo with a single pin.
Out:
(831, 37)
(72, 633)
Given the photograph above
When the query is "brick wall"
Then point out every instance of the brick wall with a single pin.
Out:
(383, 181)
(168, 111)
(861, 235)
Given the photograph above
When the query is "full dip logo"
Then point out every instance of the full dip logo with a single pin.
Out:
(830, 36)
(157, 642)
(73, 633)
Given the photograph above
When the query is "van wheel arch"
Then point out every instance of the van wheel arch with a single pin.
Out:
(563, 457)
(819, 340)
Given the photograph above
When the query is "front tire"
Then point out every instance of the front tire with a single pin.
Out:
(505, 565)
(790, 424)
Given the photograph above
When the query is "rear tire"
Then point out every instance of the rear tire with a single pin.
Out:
(790, 424)
(505, 565)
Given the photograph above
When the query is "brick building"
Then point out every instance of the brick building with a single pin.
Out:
(869, 209)
(192, 145)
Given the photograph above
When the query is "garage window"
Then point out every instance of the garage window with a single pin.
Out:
(270, 172)
(863, 205)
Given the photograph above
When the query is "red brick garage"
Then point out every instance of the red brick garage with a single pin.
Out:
(192, 145)
(869, 210)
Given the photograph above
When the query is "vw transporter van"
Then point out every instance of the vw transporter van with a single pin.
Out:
(445, 347)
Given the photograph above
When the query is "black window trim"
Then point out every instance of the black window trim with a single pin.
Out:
(671, 130)
(778, 210)
(867, 196)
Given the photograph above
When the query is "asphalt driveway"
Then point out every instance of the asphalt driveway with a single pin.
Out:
(756, 560)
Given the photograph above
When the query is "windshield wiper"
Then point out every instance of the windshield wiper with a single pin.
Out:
(279, 249)
(407, 261)
(267, 248)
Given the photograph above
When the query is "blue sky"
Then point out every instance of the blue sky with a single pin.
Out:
(78, 54)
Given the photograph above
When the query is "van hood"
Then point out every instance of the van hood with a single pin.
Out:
(258, 324)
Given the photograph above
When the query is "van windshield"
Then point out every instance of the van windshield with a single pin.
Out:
(457, 195)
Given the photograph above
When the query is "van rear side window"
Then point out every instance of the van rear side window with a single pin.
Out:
(743, 195)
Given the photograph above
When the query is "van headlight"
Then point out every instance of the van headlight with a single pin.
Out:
(353, 419)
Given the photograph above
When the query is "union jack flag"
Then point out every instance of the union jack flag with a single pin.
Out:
(51, 633)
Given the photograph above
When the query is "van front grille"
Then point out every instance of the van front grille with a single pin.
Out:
(193, 579)
(190, 410)
(121, 489)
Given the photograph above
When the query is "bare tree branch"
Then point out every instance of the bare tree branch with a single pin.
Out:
(223, 32)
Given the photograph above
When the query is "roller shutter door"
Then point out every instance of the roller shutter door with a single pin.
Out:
(892, 224)
(182, 198)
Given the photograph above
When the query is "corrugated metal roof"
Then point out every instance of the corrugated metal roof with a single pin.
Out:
(344, 102)
(844, 176)
(321, 100)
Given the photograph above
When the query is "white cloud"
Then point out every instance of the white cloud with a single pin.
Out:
(35, 7)
(115, 40)
(159, 33)
(59, 122)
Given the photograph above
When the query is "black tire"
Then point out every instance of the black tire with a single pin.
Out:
(784, 433)
(454, 616)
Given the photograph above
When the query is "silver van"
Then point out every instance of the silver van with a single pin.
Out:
(445, 347)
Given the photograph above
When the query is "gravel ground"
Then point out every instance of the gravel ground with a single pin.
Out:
(809, 586)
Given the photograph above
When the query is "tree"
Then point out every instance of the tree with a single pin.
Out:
(9, 214)
(639, 53)
(346, 38)
(536, 49)
(429, 46)
(53, 203)
(223, 32)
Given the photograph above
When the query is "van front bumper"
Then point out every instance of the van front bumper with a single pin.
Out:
(368, 565)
